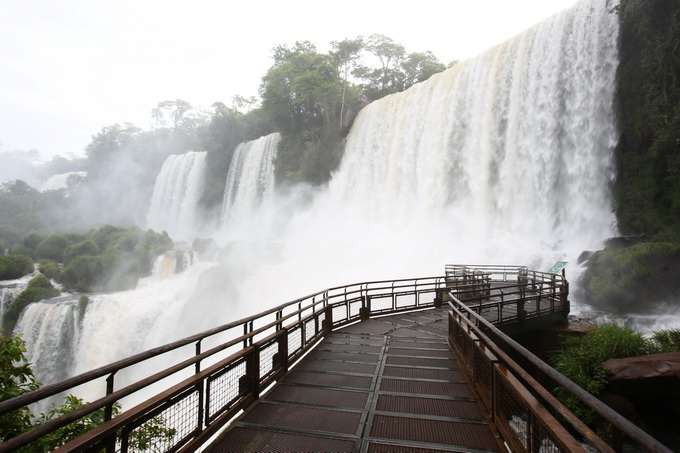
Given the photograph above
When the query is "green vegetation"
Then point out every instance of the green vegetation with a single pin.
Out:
(648, 182)
(634, 278)
(647, 187)
(111, 259)
(39, 288)
(17, 378)
(15, 266)
(309, 97)
(581, 358)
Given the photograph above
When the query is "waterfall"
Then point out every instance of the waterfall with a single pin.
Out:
(250, 180)
(516, 144)
(179, 185)
(506, 158)
(51, 330)
(63, 180)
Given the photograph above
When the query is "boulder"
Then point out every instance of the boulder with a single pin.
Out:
(654, 374)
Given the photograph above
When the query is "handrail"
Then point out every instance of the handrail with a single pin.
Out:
(260, 349)
(466, 321)
(299, 324)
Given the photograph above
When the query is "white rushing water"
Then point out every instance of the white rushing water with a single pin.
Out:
(250, 181)
(502, 159)
(63, 180)
(176, 193)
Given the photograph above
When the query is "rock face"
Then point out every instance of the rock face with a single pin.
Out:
(654, 374)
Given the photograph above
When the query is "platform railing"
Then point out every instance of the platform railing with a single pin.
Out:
(209, 377)
(518, 400)
(192, 387)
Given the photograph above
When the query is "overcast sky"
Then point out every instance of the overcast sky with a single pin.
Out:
(70, 67)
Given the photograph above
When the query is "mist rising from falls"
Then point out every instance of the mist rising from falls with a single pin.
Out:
(251, 178)
(176, 193)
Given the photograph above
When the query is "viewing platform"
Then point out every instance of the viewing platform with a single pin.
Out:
(417, 365)
(385, 384)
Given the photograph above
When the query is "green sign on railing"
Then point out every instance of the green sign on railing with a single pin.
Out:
(558, 267)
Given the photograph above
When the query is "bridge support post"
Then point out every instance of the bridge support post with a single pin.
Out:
(438, 299)
(365, 310)
(327, 324)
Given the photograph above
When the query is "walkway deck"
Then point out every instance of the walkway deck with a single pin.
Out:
(384, 384)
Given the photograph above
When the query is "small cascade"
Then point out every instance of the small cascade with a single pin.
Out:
(251, 178)
(10, 289)
(51, 330)
(168, 264)
(63, 181)
(179, 186)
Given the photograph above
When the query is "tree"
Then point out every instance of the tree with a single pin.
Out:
(418, 67)
(385, 79)
(346, 54)
(16, 378)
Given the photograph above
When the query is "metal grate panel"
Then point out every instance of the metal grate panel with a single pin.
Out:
(346, 347)
(330, 380)
(223, 389)
(435, 431)
(425, 388)
(296, 417)
(422, 362)
(369, 327)
(319, 397)
(468, 410)
(418, 352)
(382, 447)
(439, 346)
(342, 367)
(254, 440)
(344, 356)
(425, 373)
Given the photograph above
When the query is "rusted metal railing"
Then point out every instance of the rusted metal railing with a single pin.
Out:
(209, 377)
(518, 400)
(198, 384)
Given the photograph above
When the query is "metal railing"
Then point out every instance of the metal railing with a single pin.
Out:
(518, 400)
(210, 377)
(215, 374)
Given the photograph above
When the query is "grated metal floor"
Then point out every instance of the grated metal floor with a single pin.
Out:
(383, 385)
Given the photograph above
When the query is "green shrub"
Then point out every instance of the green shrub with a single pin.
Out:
(82, 273)
(40, 281)
(53, 248)
(84, 248)
(9, 236)
(581, 358)
(634, 278)
(667, 340)
(50, 269)
(15, 266)
(31, 240)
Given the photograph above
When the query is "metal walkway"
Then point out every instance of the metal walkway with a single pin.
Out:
(385, 384)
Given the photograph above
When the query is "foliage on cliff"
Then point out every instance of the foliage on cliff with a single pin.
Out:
(633, 279)
(647, 188)
(581, 357)
(39, 288)
(648, 183)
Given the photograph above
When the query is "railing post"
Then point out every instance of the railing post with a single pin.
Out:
(327, 324)
(365, 310)
(251, 381)
(198, 352)
(438, 299)
(108, 413)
